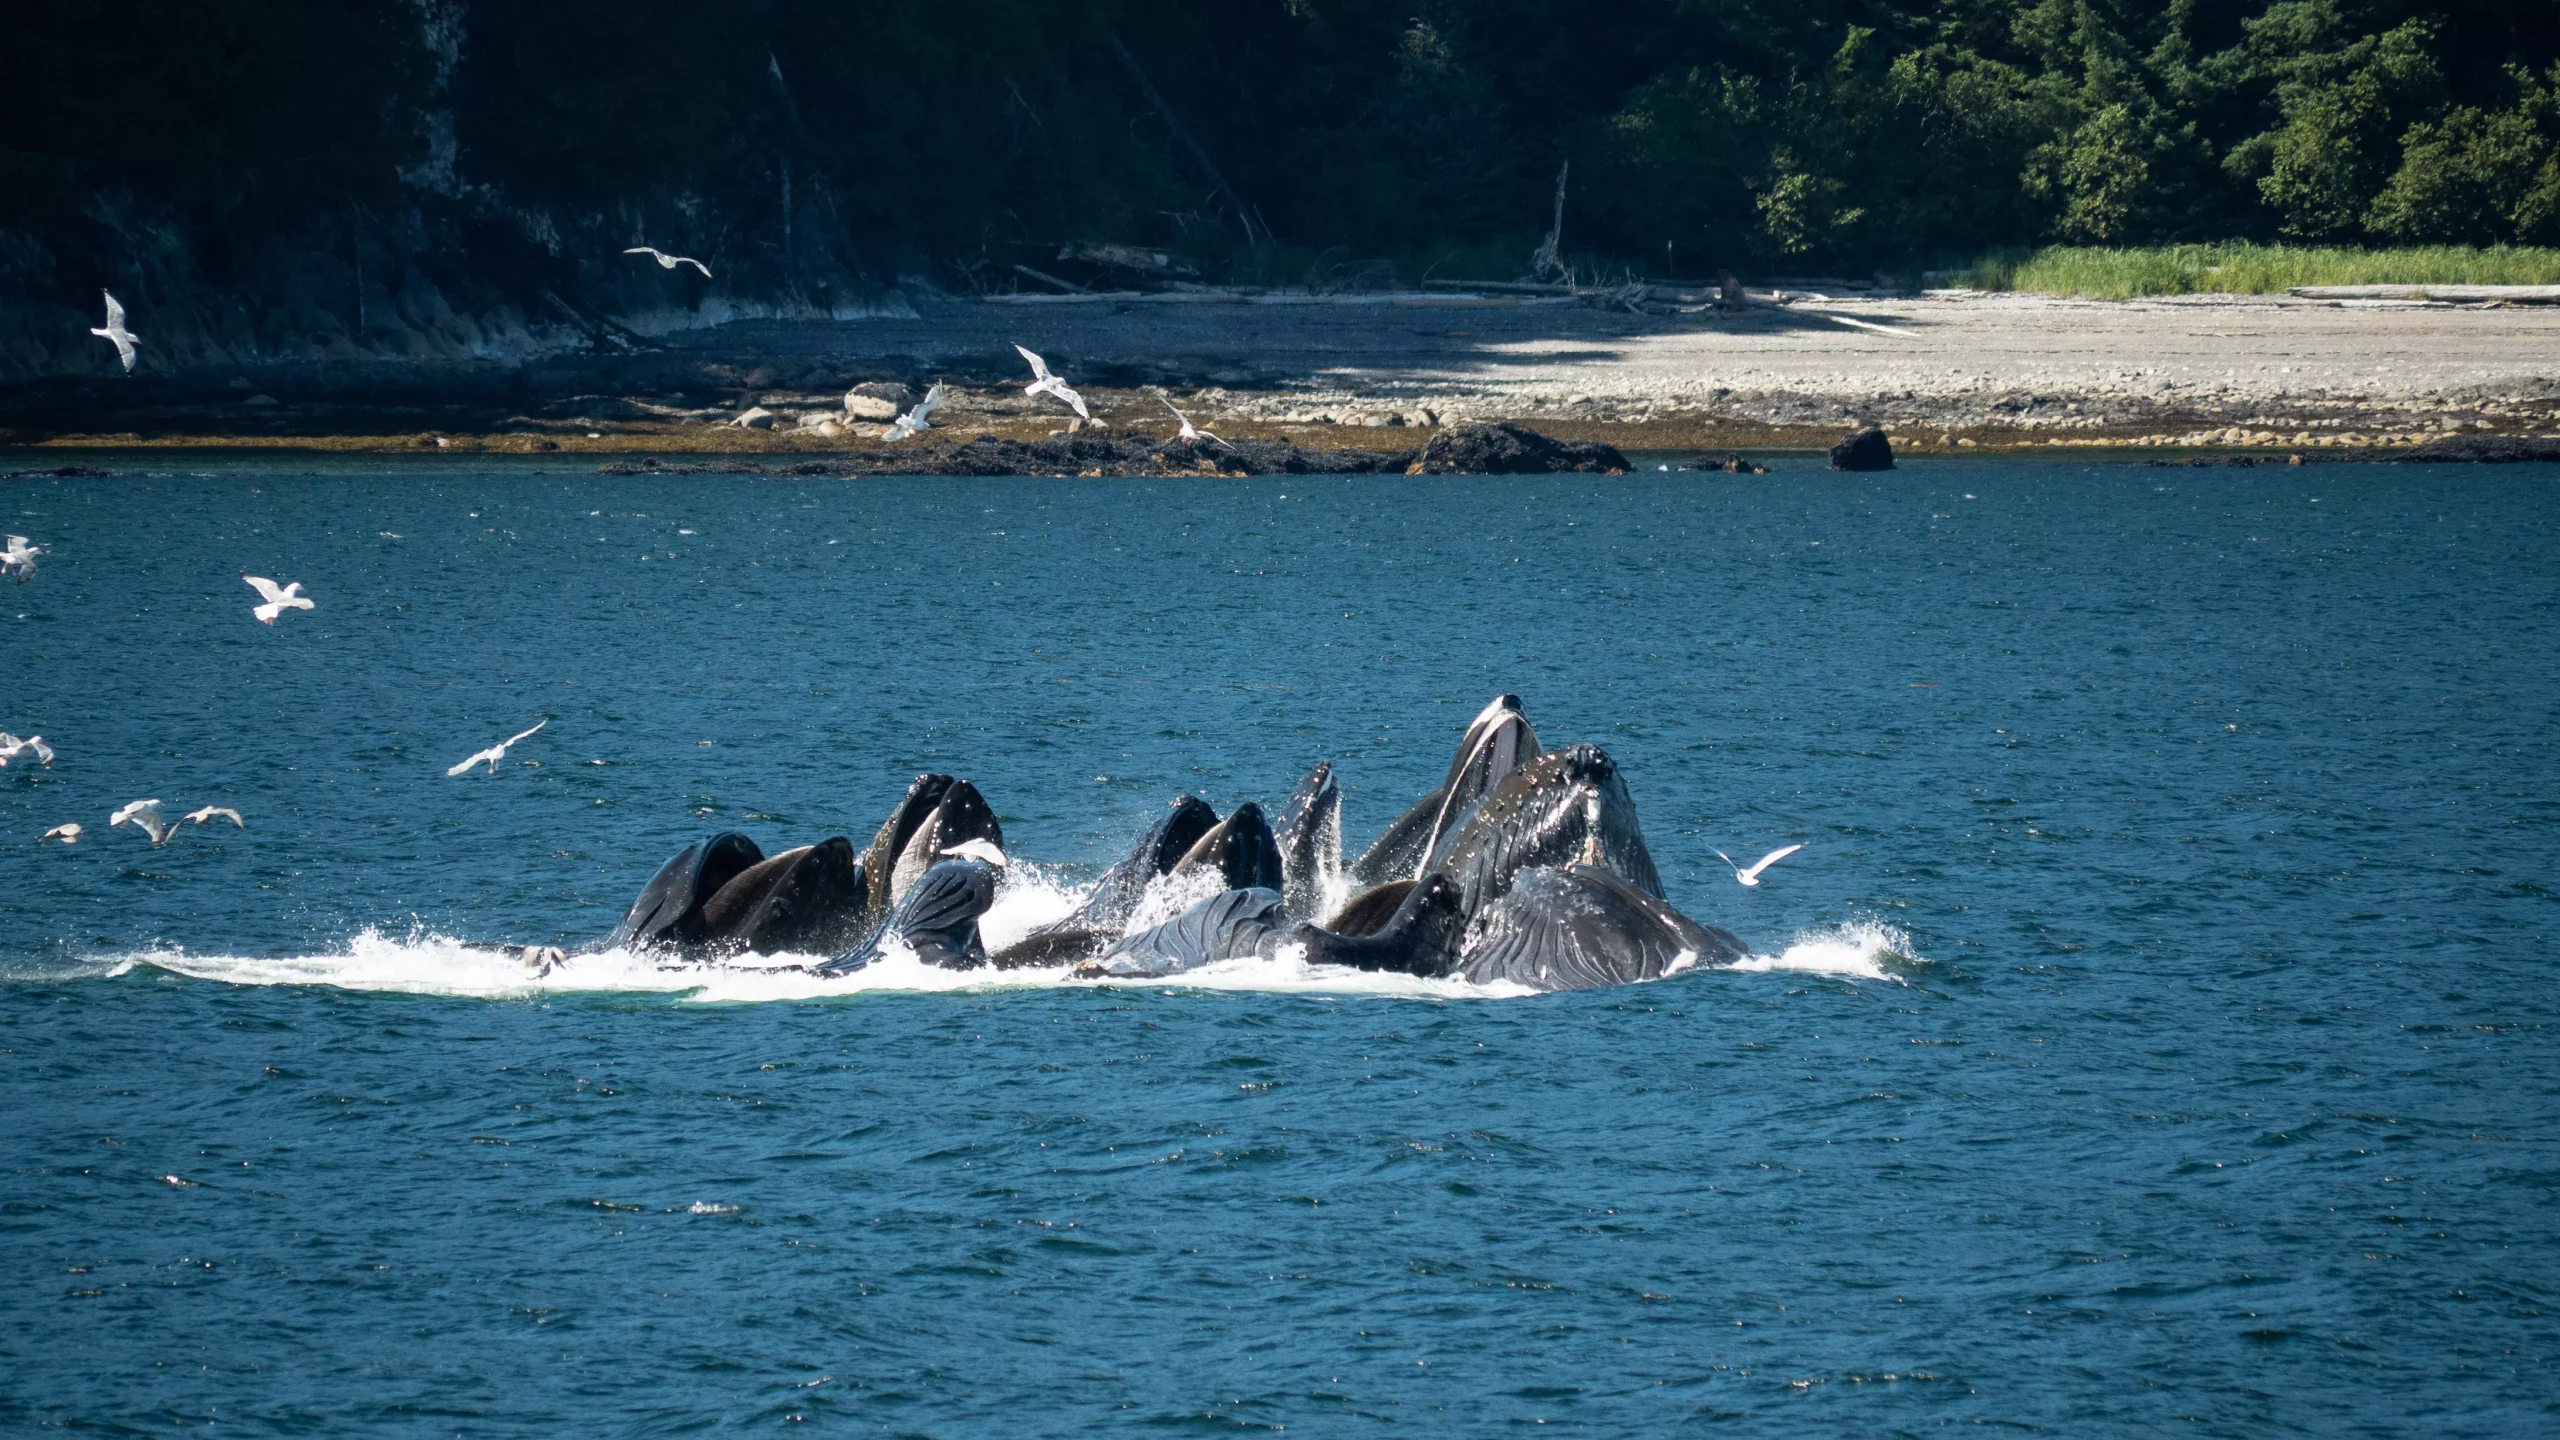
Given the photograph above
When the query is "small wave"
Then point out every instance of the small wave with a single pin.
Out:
(1866, 949)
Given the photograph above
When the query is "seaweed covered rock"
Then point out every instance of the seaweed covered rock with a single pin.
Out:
(1866, 450)
(1509, 449)
(2486, 450)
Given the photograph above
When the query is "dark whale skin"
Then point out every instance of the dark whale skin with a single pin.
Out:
(1578, 927)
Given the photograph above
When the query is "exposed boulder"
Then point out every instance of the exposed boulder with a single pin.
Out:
(1509, 449)
(1866, 450)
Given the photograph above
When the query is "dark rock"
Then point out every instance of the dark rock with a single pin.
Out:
(892, 391)
(1508, 449)
(1866, 450)
(2485, 450)
(67, 472)
(1081, 454)
(1730, 464)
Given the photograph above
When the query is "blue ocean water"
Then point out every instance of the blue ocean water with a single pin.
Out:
(2155, 1033)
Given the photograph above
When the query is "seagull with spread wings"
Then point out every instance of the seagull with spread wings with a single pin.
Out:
(1189, 430)
(277, 600)
(667, 261)
(11, 747)
(917, 418)
(495, 753)
(216, 812)
(20, 559)
(1042, 382)
(1752, 875)
(144, 815)
(114, 331)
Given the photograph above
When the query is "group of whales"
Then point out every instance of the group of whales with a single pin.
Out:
(1525, 866)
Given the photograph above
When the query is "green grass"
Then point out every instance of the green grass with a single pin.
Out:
(2242, 268)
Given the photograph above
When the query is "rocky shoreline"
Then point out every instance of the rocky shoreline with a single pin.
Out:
(1784, 372)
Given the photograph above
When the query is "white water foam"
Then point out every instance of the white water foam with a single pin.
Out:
(1865, 949)
(425, 963)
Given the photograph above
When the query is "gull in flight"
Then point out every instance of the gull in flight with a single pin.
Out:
(1189, 430)
(67, 834)
(916, 419)
(124, 339)
(216, 812)
(20, 558)
(145, 815)
(278, 601)
(495, 753)
(665, 262)
(1752, 875)
(1042, 380)
(979, 849)
(11, 747)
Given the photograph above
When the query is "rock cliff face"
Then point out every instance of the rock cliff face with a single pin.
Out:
(446, 278)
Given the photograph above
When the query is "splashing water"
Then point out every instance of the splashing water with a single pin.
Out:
(1863, 949)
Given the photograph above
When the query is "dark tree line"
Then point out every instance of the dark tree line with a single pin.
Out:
(897, 137)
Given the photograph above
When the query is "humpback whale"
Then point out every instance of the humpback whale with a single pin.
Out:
(669, 910)
(1420, 937)
(1573, 927)
(1496, 742)
(1241, 848)
(1227, 926)
(1310, 839)
(1566, 805)
(1114, 898)
(810, 899)
(938, 920)
(937, 813)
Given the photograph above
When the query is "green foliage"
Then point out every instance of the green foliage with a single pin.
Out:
(1769, 134)
(2104, 273)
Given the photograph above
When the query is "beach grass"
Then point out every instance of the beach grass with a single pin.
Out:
(2245, 268)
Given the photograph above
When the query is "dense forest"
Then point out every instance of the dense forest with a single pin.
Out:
(799, 146)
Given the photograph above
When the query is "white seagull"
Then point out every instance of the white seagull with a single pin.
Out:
(979, 849)
(278, 601)
(495, 753)
(1189, 430)
(145, 816)
(916, 419)
(1043, 381)
(67, 834)
(667, 261)
(20, 559)
(11, 747)
(1752, 875)
(216, 812)
(124, 339)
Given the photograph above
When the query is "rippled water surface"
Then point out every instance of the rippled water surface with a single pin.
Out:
(2154, 1034)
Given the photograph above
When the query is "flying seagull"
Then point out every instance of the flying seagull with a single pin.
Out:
(20, 559)
(67, 834)
(1042, 380)
(495, 753)
(124, 339)
(1752, 875)
(1189, 430)
(916, 419)
(979, 849)
(278, 601)
(216, 812)
(665, 262)
(145, 816)
(11, 747)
